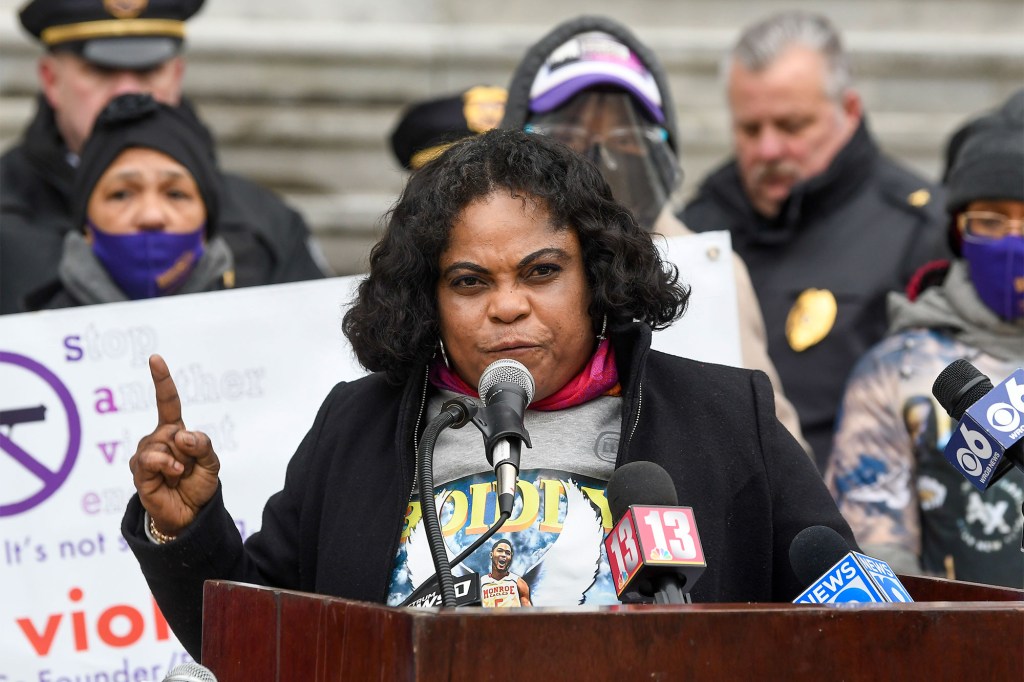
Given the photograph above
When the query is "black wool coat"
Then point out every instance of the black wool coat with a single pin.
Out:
(859, 230)
(335, 526)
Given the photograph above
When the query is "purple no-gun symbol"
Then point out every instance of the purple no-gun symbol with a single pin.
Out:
(51, 480)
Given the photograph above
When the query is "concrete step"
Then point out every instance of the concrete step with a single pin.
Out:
(305, 107)
(850, 15)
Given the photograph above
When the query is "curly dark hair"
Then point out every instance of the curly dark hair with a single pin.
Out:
(393, 322)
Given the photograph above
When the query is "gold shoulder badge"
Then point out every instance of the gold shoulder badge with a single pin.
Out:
(810, 319)
(483, 107)
(125, 9)
(919, 198)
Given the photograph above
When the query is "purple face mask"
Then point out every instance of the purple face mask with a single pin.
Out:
(148, 264)
(997, 270)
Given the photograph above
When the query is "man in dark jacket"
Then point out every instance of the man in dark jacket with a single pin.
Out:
(826, 224)
(95, 53)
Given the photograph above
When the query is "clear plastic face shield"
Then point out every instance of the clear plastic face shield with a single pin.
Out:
(631, 151)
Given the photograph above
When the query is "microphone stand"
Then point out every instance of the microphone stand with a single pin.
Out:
(504, 434)
(454, 413)
(669, 591)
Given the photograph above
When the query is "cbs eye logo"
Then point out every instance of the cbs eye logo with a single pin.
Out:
(1003, 417)
(1006, 417)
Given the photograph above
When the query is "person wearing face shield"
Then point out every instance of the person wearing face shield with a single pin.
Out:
(604, 124)
(592, 85)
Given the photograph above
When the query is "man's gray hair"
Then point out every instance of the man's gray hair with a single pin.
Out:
(761, 44)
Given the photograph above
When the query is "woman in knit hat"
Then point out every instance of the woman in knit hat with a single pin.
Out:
(146, 198)
(905, 502)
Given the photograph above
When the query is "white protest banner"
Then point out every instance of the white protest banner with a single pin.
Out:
(709, 330)
(252, 367)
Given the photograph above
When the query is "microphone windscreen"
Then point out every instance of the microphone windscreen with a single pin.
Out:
(190, 672)
(814, 550)
(506, 371)
(641, 483)
(959, 386)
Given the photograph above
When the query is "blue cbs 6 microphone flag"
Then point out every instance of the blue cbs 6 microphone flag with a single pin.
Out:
(856, 578)
(987, 430)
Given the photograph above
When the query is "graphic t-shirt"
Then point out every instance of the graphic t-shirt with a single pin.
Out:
(560, 517)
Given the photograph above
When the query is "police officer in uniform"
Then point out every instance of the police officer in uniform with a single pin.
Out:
(826, 224)
(96, 50)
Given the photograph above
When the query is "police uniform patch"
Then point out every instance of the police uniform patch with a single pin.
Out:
(483, 107)
(811, 318)
(919, 198)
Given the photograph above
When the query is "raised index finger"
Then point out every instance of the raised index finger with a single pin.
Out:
(168, 405)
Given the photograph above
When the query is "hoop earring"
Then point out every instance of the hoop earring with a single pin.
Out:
(444, 355)
(604, 328)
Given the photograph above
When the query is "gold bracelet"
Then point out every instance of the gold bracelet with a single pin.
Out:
(161, 538)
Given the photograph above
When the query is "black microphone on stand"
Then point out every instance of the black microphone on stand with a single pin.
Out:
(837, 574)
(507, 388)
(653, 549)
(987, 441)
(989, 437)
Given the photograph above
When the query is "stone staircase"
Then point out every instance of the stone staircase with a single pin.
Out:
(302, 96)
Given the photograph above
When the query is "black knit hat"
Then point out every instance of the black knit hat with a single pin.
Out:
(428, 128)
(119, 34)
(985, 160)
(138, 120)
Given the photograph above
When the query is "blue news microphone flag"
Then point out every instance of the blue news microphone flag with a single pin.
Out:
(990, 434)
(854, 578)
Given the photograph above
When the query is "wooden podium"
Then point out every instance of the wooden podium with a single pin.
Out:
(953, 631)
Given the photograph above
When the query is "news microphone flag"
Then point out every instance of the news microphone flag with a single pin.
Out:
(989, 427)
(652, 541)
(856, 578)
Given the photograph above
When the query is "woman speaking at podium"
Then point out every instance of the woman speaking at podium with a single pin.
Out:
(508, 245)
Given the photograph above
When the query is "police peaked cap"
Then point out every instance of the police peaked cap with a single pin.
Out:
(125, 34)
(429, 127)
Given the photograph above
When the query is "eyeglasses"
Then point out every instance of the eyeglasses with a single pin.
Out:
(624, 140)
(987, 226)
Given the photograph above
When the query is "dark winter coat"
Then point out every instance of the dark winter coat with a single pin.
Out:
(335, 527)
(859, 230)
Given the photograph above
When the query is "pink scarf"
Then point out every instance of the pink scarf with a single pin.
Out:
(599, 377)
